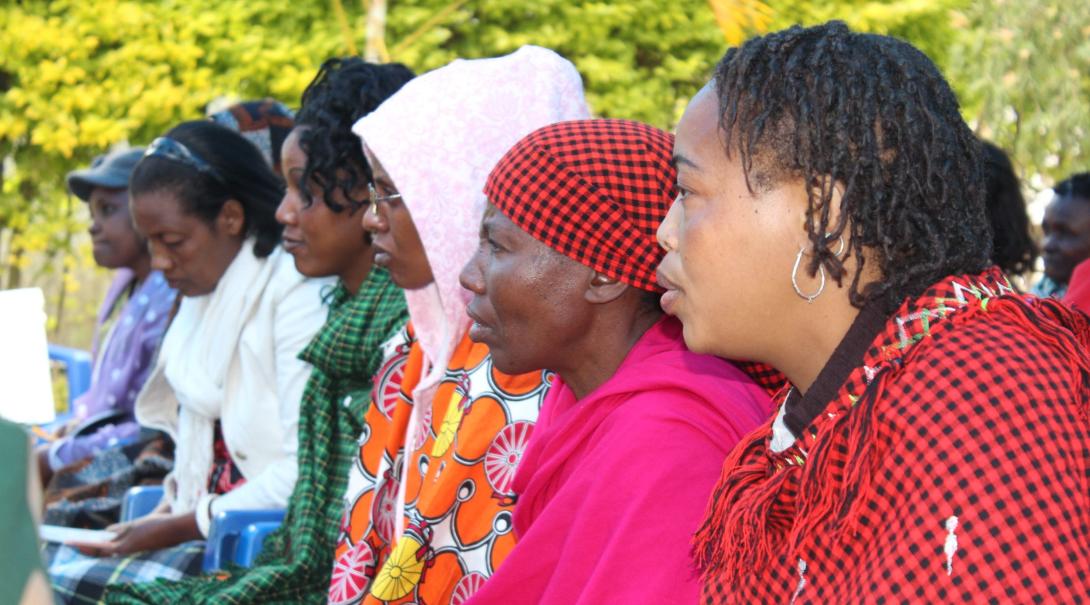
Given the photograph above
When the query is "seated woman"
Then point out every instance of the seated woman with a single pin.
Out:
(430, 488)
(88, 492)
(131, 320)
(632, 434)
(227, 382)
(327, 178)
(933, 446)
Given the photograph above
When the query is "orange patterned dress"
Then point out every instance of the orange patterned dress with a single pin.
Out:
(452, 462)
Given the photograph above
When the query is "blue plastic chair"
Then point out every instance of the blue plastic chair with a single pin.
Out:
(236, 536)
(140, 501)
(226, 538)
(252, 540)
(77, 369)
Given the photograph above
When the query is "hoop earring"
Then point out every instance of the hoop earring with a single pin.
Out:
(809, 298)
(840, 249)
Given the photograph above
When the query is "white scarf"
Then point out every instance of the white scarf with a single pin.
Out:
(197, 353)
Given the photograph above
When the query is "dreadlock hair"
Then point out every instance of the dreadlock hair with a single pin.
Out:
(237, 171)
(1075, 186)
(345, 90)
(872, 116)
(1015, 250)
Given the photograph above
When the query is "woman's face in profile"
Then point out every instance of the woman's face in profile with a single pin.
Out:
(729, 250)
(394, 238)
(322, 241)
(116, 243)
(528, 301)
(192, 253)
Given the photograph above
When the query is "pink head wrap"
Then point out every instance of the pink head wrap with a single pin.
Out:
(438, 138)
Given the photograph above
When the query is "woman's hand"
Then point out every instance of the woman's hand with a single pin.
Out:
(152, 532)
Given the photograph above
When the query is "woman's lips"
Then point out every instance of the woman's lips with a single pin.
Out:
(668, 300)
(664, 281)
(380, 255)
(478, 328)
(291, 245)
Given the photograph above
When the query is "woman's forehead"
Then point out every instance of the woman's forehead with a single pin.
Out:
(162, 209)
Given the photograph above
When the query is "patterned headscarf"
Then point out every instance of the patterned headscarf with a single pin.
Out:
(594, 190)
(438, 137)
(264, 123)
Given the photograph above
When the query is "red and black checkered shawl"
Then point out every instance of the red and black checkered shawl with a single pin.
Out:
(953, 465)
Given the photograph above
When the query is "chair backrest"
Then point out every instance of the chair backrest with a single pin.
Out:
(77, 369)
(27, 396)
(140, 501)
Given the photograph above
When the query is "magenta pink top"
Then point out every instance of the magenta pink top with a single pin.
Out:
(612, 486)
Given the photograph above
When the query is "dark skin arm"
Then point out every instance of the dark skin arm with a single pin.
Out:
(44, 472)
(153, 532)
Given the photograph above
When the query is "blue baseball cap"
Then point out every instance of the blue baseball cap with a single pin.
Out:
(110, 171)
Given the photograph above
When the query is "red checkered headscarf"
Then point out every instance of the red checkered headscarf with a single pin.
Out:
(593, 190)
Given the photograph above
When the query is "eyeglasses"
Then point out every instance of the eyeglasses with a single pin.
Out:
(376, 198)
(166, 147)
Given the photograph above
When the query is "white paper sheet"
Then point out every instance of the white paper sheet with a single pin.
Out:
(62, 535)
(26, 393)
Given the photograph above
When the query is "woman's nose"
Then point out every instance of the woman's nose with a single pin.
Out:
(288, 210)
(373, 219)
(471, 277)
(1050, 244)
(667, 230)
(159, 261)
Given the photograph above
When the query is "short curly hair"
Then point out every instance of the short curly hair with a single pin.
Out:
(345, 90)
(872, 115)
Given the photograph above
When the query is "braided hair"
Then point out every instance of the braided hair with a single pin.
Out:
(1014, 251)
(344, 91)
(873, 116)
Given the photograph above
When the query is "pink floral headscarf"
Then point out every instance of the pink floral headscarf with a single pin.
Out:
(438, 138)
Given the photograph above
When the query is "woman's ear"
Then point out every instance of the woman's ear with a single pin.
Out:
(603, 289)
(232, 218)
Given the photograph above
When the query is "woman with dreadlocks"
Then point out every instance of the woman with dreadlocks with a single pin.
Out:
(932, 445)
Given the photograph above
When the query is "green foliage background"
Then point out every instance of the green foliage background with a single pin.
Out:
(79, 76)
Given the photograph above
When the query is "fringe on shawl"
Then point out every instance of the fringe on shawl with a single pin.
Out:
(735, 521)
(736, 536)
(1065, 329)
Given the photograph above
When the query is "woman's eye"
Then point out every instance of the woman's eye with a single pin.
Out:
(385, 189)
(682, 193)
(493, 246)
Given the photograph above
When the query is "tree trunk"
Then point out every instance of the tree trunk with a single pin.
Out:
(375, 51)
(15, 274)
